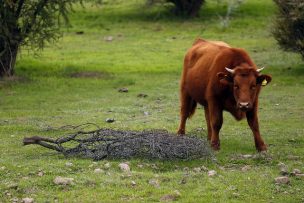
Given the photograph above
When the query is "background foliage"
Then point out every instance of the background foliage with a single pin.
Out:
(289, 25)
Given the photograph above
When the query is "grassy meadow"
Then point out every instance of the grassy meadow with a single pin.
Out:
(126, 44)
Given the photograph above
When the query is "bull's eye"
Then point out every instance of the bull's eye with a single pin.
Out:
(236, 87)
(253, 87)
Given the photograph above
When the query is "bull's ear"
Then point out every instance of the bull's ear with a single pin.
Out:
(264, 80)
(224, 78)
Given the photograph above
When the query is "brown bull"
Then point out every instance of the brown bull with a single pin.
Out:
(221, 78)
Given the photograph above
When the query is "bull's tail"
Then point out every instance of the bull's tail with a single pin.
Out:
(192, 108)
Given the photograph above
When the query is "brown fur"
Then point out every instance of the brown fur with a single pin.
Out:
(206, 81)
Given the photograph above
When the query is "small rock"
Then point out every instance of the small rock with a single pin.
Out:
(27, 200)
(68, 164)
(154, 166)
(197, 170)
(170, 197)
(282, 180)
(296, 171)
(246, 168)
(283, 168)
(7, 193)
(15, 200)
(247, 156)
(300, 175)
(211, 173)
(146, 113)
(124, 167)
(133, 183)
(140, 165)
(142, 95)
(40, 173)
(204, 168)
(123, 89)
(110, 120)
(63, 181)
(109, 38)
(2, 168)
(107, 165)
(235, 194)
(98, 170)
(177, 193)
(154, 182)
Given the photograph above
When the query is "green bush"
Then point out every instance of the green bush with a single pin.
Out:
(289, 25)
(186, 8)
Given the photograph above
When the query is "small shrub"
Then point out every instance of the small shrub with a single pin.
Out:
(289, 25)
(186, 8)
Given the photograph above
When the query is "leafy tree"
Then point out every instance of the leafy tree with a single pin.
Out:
(28, 23)
(289, 25)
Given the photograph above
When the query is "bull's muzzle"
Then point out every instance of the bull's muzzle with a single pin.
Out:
(244, 106)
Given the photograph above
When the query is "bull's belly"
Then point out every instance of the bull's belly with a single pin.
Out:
(197, 94)
(196, 89)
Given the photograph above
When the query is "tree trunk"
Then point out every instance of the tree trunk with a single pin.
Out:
(8, 60)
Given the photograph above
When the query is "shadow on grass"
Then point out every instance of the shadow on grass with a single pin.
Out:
(297, 70)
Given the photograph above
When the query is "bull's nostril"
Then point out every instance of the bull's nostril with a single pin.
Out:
(244, 104)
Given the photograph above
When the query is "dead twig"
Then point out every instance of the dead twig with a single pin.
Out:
(107, 143)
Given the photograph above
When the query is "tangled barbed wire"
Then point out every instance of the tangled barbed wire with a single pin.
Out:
(108, 143)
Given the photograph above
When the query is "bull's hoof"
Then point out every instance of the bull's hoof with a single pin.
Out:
(215, 145)
(261, 148)
(181, 132)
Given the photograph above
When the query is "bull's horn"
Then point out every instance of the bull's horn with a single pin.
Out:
(230, 70)
(260, 69)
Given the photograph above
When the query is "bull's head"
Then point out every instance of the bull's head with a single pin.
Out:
(245, 83)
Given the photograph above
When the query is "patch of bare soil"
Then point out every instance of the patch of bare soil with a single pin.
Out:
(90, 74)
(7, 81)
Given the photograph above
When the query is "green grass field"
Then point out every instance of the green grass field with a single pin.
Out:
(146, 56)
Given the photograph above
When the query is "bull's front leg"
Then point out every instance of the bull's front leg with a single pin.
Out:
(216, 121)
(253, 122)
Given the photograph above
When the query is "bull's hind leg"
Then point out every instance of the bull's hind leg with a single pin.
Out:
(188, 106)
(216, 121)
(208, 121)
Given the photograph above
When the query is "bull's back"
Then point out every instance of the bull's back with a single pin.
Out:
(198, 66)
